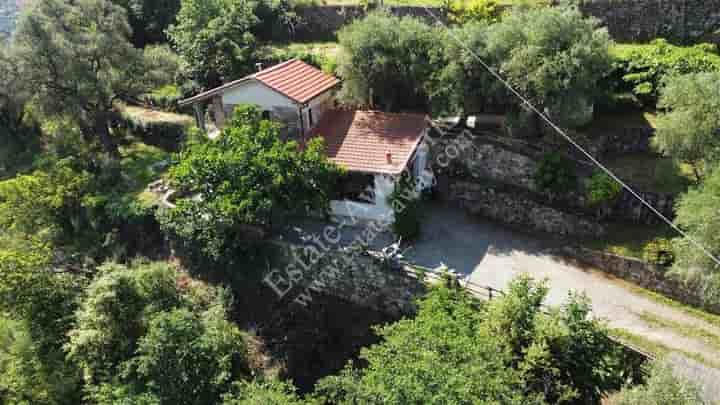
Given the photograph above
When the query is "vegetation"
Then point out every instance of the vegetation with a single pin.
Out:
(662, 387)
(218, 40)
(149, 19)
(555, 175)
(385, 61)
(553, 56)
(406, 207)
(688, 131)
(244, 178)
(508, 351)
(80, 53)
(643, 69)
(601, 188)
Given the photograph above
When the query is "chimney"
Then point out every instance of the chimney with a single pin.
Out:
(388, 156)
(259, 66)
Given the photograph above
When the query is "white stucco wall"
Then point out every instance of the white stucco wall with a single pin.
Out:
(253, 92)
(381, 210)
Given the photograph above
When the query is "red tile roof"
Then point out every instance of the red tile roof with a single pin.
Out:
(294, 79)
(361, 140)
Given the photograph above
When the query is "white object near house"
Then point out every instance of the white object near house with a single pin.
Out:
(375, 147)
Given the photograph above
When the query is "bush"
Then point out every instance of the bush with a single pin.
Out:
(662, 387)
(555, 175)
(643, 68)
(462, 11)
(406, 206)
(659, 251)
(602, 188)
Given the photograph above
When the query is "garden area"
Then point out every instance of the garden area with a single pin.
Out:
(107, 298)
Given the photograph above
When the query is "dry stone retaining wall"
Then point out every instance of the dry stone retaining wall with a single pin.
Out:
(651, 277)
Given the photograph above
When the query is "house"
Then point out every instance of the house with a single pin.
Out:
(375, 147)
(293, 93)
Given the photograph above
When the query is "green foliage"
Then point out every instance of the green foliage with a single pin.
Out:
(459, 84)
(244, 178)
(698, 214)
(510, 351)
(149, 19)
(644, 68)
(160, 129)
(406, 207)
(659, 251)
(555, 175)
(76, 60)
(385, 61)
(601, 188)
(464, 11)
(256, 392)
(661, 388)
(142, 335)
(555, 57)
(689, 130)
(218, 39)
(25, 379)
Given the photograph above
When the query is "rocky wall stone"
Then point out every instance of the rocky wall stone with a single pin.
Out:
(651, 277)
(520, 210)
(357, 278)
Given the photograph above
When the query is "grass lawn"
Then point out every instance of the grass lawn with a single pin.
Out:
(143, 164)
(329, 48)
(629, 240)
(157, 116)
(652, 172)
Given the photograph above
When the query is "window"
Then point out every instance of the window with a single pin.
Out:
(310, 118)
(357, 187)
(266, 115)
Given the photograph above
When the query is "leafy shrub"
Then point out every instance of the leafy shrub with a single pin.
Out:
(462, 11)
(602, 188)
(659, 251)
(643, 68)
(165, 98)
(555, 175)
(662, 387)
(406, 206)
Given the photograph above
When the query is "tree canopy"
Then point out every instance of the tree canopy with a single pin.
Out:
(554, 56)
(149, 19)
(509, 351)
(245, 177)
(385, 62)
(77, 60)
(140, 333)
(689, 130)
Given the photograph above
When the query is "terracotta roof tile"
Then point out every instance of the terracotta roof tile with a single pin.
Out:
(297, 80)
(294, 78)
(361, 140)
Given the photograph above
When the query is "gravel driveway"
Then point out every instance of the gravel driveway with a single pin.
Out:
(492, 255)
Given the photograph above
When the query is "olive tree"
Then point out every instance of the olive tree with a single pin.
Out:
(553, 56)
(76, 59)
(689, 130)
(385, 62)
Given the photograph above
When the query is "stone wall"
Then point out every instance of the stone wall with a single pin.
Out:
(311, 270)
(520, 210)
(651, 277)
(683, 21)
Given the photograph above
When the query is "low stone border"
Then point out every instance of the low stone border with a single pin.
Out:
(652, 277)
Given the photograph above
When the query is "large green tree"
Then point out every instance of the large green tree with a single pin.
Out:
(243, 178)
(142, 335)
(385, 62)
(554, 56)
(509, 351)
(149, 19)
(76, 59)
(218, 39)
(689, 130)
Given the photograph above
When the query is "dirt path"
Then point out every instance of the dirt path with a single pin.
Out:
(490, 255)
